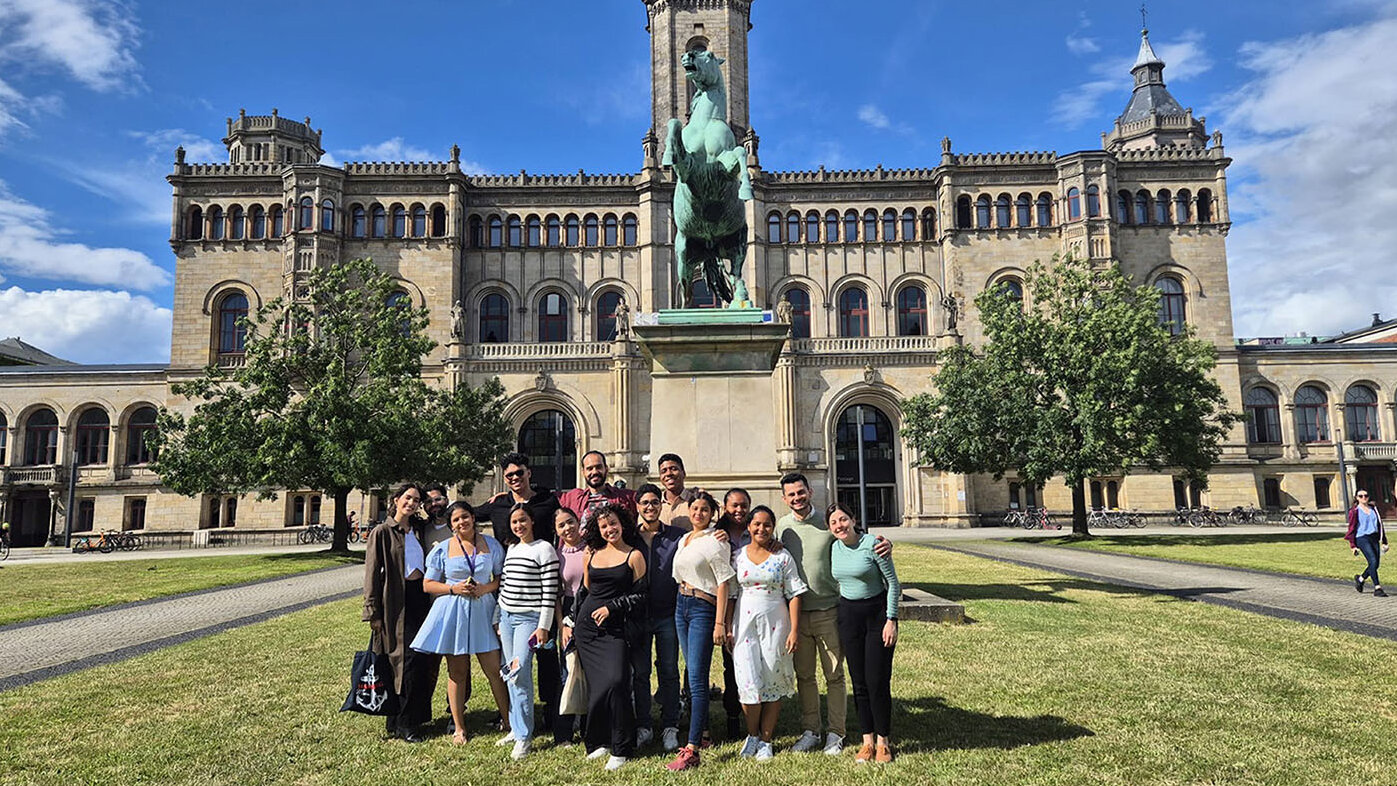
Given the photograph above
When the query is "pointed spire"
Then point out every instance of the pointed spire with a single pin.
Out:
(1147, 57)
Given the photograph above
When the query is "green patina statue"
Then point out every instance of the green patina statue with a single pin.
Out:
(711, 170)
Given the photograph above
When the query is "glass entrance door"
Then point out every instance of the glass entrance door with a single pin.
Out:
(865, 465)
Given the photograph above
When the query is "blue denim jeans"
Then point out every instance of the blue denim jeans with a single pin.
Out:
(1370, 546)
(693, 623)
(659, 634)
(515, 630)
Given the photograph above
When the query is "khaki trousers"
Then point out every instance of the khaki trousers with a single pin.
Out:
(819, 639)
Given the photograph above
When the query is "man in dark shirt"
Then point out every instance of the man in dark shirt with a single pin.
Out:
(661, 543)
(737, 507)
(519, 487)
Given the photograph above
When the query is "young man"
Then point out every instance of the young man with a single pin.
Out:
(437, 527)
(584, 502)
(674, 507)
(804, 532)
(737, 506)
(661, 542)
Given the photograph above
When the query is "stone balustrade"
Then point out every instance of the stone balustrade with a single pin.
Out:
(526, 351)
(865, 345)
(37, 476)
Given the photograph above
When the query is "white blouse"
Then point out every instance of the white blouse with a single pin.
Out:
(703, 562)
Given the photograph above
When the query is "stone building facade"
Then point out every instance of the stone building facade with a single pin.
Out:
(879, 268)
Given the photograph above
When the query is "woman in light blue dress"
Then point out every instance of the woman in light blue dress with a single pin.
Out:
(463, 571)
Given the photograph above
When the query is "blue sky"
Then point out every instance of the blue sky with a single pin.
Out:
(95, 95)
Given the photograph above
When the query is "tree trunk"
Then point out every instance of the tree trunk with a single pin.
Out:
(1079, 509)
(341, 541)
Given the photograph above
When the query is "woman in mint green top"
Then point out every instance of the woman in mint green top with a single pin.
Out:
(868, 596)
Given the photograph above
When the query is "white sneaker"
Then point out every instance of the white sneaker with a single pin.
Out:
(521, 749)
(507, 739)
(597, 754)
(807, 743)
(643, 737)
(614, 763)
(764, 751)
(834, 744)
(670, 739)
(749, 747)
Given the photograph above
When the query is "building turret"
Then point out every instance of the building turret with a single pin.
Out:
(677, 26)
(1153, 118)
(271, 138)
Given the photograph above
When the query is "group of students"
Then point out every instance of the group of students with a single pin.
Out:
(625, 577)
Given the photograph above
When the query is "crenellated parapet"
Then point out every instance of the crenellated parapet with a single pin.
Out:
(524, 179)
(398, 168)
(823, 175)
(1035, 158)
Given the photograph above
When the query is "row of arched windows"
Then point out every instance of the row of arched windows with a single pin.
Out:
(552, 231)
(1005, 212)
(552, 309)
(912, 311)
(397, 221)
(235, 223)
(1162, 209)
(1311, 405)
(849, 227)
(92, 437)
(259, 223)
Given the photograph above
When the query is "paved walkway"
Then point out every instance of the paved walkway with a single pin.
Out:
(1328, 602)
(31, 651)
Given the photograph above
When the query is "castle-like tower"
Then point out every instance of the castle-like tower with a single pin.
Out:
(677, 26)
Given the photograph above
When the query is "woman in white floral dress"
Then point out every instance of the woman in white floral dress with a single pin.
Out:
(768, 608)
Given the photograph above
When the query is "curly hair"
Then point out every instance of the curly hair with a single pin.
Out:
(629, 534)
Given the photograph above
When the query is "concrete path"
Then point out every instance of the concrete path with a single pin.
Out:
(46, 555)
(1332, 603)
(938, 535)
(44, 648)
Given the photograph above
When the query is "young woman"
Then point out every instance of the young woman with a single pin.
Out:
(703, 570)
(868, 596)
(1367, 536)
(768, 610)
(528, 598)
(608, 622)
(572, 557)
(463, 571)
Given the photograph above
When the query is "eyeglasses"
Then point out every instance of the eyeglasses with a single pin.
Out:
(518, 473)
(648, 502)
(1362, 496)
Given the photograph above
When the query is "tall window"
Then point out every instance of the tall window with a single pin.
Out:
(1142, 207)
(494, 319)
(1322, 485)
(41, 438)
(1093, 201)
(963, 215)
(1205, 206)
(812, 227)
(400, 221)
(1012, 288)
(800, 312)
(1003, 212)
(534, 232)
(1181, 205)
(135, 513)
(793, 227)
(195, 226)
(216, 223)
(1045, 210)
(259, 222)
(606, 315)
(1271, 493)
(589, 231)
(889, 226)
(553, 317)
(1162, 203)
(475, 231)
(929, 224)
(138, 430)
(400, 301)
(1263, 417)
(1171, 305)
(327, 216)
(278, 221)
(911, 311)
(358, 222)
(1361, 414)
(865, 464)
(831, 227)
(549, 439)
(573, 237)
(495, 239)
(609, 236)
(851, 227)
(380, 221)
(982, 212)
(307, 216)
(1074, 203)
(4, 435)
(232, 333)
(419, 221)
(629, 230)
(1123, 202)
(94, 432)
(1311, 415)
(909, 224)
(870, 226)
(235, 223)
(438, 220)
(553, 232)
(853, 313)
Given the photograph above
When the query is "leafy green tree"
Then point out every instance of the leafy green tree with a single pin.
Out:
(330, 397)
(1080, 381)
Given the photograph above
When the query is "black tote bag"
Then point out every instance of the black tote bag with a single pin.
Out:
(371, 684)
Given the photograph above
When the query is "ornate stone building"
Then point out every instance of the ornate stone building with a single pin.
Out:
(878, 266)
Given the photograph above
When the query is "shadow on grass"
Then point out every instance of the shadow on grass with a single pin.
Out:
(929, 724)
(1038, 591)
(1187, 539)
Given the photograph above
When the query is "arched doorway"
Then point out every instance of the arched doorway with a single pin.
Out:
(549, 439)
(865, 465)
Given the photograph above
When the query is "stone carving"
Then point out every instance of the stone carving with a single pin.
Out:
(542, 382)
(870, 374)
(458, 322)
(710, 168)
(784, 312)
(623, 319)
(952, 307)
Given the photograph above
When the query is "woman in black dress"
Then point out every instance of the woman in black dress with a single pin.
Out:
(607, 623)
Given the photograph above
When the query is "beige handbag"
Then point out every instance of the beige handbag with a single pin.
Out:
(574, 698)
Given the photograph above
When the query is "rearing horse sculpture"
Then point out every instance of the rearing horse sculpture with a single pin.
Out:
(712, 182)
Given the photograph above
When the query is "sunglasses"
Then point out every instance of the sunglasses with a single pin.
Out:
(518, 473)
(648, 502)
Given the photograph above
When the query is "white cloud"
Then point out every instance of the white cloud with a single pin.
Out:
(88, 326)
(1081, 45)
(1311, 190)
(874, 116)
(30, 247)
(137, 184)
(1184, 58)
(394, 149)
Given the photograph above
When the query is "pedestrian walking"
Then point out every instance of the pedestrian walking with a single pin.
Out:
(1367, 536)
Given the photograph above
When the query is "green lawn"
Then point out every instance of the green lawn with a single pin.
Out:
(1307, 553)
(34, 591)
(1056, 681)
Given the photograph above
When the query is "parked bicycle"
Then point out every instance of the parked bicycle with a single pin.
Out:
(104, 541)
(1296, 517)
(315, 533)
(1039, 518)
(1250, 514)
(1015, 518)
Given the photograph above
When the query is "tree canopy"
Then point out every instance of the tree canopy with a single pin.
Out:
(330, 397)
(1080, 380)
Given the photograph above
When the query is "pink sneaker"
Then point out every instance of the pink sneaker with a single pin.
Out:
(687, 759)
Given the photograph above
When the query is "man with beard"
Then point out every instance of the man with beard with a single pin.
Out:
(599, 492)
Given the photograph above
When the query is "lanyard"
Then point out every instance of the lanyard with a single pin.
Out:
(470, 558)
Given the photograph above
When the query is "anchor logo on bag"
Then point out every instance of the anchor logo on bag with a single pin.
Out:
(371, 693)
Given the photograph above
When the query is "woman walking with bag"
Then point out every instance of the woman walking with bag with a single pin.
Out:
(1366, 535)
(528, 599)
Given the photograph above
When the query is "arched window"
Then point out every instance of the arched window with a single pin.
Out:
(553, 232)
(573, 238)
(41, 438)
(194, 225)
(94, 432)
(438, 220)
(1263, 417)
(1012, 288)
(800, 312)
(1162, 203)
(1205, 206)
(589, 231)
(812, 227)
(278, 221)
(358, 221)
(831, 227)
(982, 212)
(1074, 204)
(909, 224)
(1181, 205)
(792, 227)
(259, 222)
(549, 440)
(419, 221)
(606, 315)
(1142, 207)
(1311, 415)
(230, 508)
(1003, 212)
(629, 230)
(609, 236)
(327, 216)
(399, 221)
(1023, 206)
(865, 465)
(534, 233)
(1123, 201)
(963, 213)
(216, 227)
(1113, 494)
(232, 332)
(889, 225)
(494, 319)
(1097, 498)
(1171, 305)
(1093, 201)
(929, 224)
(314, 510)
(553, 317)
(379, 223)
(235, 223)
(496, 236)
(298, 512)
(139, 429)
(911, 311)
(307, 216)
(1361, 414)
(870, 226)
(1045, 210)
(475, 232)
(853, 313)
(516, 231)
(4, 435)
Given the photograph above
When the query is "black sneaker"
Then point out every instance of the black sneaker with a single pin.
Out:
(1378, 593)
(1358, 582)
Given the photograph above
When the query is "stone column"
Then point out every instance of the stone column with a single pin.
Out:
(621, 393)
(12, 446)
(1291, 448)
(787, 450)
(1389, 428)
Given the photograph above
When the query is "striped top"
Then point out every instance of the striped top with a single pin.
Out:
(529, 582)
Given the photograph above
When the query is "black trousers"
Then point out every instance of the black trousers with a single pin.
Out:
(870, 663)
(419, 668)
(731, 706)
(606, 660)
(549, 674)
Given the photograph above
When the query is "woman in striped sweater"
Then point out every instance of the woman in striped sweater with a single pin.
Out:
(528, 594)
